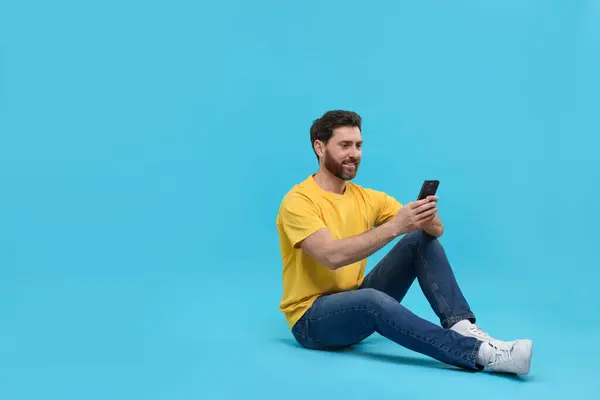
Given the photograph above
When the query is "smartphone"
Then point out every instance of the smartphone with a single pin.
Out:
(429, 188)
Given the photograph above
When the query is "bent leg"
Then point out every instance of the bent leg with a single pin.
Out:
(419, 255)
(342, 319)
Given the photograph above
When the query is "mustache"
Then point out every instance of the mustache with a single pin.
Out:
(350, 161)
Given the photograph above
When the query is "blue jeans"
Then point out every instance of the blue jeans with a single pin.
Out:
(342, 319)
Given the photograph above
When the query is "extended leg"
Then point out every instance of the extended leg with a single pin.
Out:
(419, 255)
(341, 319)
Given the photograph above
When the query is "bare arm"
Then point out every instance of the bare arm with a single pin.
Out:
(336, 254)
(434, 227)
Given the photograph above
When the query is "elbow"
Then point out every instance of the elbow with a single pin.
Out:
(331, 262)
(324, 252)
(325, 257)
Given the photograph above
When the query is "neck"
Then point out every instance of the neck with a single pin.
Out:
(329, 182)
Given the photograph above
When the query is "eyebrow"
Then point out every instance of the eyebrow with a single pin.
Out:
(350, 142)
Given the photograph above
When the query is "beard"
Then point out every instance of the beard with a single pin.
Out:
(337, 168)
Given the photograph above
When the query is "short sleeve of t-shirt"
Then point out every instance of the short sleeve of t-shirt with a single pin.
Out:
(299, 218)
(385, 206)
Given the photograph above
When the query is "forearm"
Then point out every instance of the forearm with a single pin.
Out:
(435, 228)
(346, 251)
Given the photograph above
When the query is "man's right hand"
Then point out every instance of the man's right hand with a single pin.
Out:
(412, 216)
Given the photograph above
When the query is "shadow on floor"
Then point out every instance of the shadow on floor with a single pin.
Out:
(359, 351)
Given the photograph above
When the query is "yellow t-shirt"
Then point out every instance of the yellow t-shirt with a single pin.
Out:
(305, 209)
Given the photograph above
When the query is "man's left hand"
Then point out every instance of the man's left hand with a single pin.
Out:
(434, 226)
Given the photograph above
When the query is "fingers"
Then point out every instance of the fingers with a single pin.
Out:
(430, 218)
(430, 213)
(426, 206)
(416, 204)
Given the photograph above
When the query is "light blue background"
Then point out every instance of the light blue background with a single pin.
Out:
(145, 147)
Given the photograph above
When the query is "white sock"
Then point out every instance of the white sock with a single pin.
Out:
(485, 354)
(460, 326)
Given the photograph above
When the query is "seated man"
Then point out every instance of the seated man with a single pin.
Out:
(328, 226)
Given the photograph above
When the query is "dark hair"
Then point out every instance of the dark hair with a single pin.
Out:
(322, 128)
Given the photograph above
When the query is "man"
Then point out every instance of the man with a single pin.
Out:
(328, 226)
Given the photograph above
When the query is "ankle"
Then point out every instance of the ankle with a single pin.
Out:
(484, 355)
(461, 325)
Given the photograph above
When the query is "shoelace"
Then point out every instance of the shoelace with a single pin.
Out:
(500, 355)
(478, 330)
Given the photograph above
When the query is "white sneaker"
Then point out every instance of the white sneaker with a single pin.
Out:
(473, 330)
(516, 359)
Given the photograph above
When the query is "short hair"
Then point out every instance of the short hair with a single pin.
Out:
(322, 128)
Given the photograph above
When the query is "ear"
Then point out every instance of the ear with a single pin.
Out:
(319, 147)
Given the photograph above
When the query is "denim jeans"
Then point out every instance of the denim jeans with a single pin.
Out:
(342, 319)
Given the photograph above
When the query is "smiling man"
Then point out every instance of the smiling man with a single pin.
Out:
(329, 226)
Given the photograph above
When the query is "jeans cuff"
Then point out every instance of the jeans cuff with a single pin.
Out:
(473, 356)
(448, 322)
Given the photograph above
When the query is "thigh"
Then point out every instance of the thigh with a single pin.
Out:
(396, 271)
(339, 320)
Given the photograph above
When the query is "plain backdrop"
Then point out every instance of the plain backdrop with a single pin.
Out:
(145, 147)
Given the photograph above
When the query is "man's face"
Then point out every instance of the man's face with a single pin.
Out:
(343, 153)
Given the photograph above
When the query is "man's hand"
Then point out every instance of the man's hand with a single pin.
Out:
(415, 216)
(434, 226)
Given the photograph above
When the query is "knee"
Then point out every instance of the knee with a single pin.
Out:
(417, 238)
(413, 237)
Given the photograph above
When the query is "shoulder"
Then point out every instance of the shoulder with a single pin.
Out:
(299, 192)
(375, 197)
(299, 198)
(367, 192)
